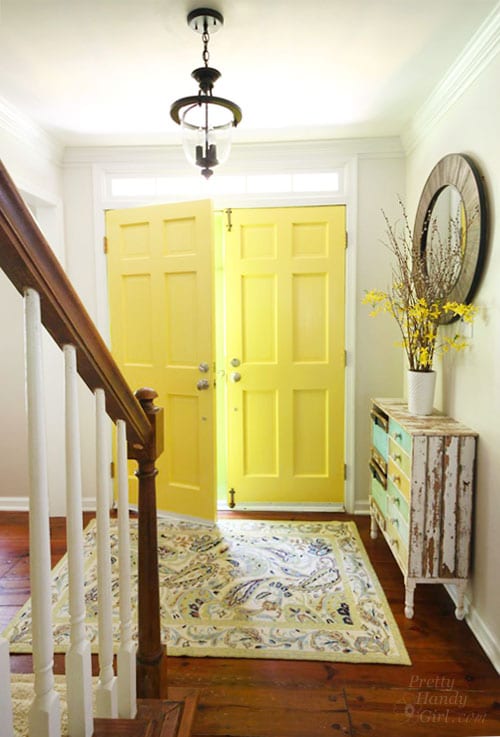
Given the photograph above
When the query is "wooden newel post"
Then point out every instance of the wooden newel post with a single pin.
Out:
(151, 653)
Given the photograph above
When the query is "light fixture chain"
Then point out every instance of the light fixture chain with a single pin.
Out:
(206, 144)
(205, 38)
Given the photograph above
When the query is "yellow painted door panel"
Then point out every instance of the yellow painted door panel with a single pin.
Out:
(160, 276)
(285, 353)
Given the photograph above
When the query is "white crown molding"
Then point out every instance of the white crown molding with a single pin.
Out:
(296, 154)
(479, 52)
(24, 129)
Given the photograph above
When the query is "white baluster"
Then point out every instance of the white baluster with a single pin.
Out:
(44, 713)
(78, 658)
(6, 725)
(127, 700)
(106, 696)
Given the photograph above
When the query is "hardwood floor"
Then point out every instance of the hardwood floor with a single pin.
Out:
(451, 689)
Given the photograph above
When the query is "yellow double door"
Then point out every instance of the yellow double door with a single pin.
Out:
(249, 317)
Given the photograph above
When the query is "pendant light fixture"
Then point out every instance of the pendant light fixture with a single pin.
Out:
(206, 121)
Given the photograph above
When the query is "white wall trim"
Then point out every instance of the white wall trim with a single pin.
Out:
(14, 504)
(479, 52)
(20, 126)
(294, 154)
(284, 507)
(21, 504)
(481, 632)
(362, 507)
(350, 310)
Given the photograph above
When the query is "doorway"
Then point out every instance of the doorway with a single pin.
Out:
(276, 276)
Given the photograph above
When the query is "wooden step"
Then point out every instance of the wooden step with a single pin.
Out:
(122, 728)
(155, 718)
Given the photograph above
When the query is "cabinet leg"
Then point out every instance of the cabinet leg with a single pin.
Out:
(409, 592)
(373, 527)
(460, 609)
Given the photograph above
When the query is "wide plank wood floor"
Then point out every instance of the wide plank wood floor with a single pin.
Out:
(451, 688)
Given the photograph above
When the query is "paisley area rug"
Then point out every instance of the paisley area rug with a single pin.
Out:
(249, 589)
(22, 696)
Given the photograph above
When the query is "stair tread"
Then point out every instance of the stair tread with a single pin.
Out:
(155, 718)
(122, 728)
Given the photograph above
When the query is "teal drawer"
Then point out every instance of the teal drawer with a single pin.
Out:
(398, 500)
(380, 440)
(380, 496)
(396, 519)
(400, 435)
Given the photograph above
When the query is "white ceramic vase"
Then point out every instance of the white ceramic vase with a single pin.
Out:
(421, 385)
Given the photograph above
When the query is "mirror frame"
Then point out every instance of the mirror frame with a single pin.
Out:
(459, 171)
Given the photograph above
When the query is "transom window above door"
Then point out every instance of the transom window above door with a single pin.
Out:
(133, 186)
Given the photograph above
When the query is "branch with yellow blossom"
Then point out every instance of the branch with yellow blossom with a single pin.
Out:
(417, 297)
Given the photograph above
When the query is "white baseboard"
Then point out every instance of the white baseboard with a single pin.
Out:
(362, 507)
(282, 507)
(14, 503)
(21, 504)
(481, 632)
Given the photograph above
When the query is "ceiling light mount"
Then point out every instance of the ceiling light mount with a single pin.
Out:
(203, 20)
(206, 120)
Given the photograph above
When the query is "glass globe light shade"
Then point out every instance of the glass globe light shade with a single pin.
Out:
(206, 135)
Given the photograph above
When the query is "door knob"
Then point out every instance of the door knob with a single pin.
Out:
(203, 367)
(202, 385)
(235, 376)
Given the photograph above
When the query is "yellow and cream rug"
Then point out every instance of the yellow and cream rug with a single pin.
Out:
(249, 589)
(22, 696)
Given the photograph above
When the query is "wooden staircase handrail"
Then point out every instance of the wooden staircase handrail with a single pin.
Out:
(28, 261)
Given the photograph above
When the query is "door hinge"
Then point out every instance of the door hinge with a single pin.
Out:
(229, 224)
(346, 239)
(112, 469)
(105, 244)
(345, 471)
(345, 358)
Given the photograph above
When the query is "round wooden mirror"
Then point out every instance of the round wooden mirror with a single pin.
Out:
(450, 226)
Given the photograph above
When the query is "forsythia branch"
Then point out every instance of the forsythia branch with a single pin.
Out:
(420, 285)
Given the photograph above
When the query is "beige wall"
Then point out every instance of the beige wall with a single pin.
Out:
(32, 162)
(470, 382)
(379, 363)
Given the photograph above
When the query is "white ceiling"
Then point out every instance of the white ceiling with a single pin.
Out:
(99, 72)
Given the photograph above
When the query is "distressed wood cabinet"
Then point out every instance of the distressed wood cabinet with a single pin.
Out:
(422, 487)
